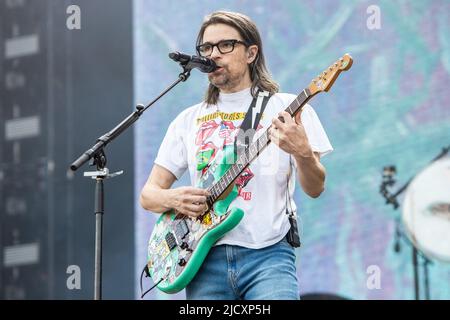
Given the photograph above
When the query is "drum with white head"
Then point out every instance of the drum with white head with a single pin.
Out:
(426, 210)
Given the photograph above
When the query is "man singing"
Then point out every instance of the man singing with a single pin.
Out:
(254, 260)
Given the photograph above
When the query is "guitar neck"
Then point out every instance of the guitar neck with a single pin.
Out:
(252, 152)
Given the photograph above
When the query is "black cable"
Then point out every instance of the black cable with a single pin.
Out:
(397, 237)
(147, 274)
(293, 233)
(288, 195)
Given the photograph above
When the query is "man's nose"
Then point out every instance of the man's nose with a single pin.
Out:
(215, 52)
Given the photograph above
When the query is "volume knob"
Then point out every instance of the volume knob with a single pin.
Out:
(184, 245)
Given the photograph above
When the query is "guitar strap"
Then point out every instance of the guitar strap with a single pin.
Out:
(293, 236)
(245, 138)
(251, 120)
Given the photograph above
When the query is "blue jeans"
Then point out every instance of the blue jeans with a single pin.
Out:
(235, 273)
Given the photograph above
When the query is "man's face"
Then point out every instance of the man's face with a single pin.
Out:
(233, 74)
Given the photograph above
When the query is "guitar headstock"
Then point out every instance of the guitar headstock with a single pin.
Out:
(324, 81)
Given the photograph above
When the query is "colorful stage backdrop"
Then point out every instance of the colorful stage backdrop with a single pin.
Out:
(391, 108)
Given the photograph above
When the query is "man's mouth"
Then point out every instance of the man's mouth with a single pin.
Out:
(219, 69)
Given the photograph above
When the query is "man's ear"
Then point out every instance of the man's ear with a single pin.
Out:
(252, 52)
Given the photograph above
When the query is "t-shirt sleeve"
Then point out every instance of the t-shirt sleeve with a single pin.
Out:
(172, 153)
(317, 136)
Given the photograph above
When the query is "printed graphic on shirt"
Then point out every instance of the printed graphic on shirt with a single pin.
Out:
(226, 131)
(242, 181)
(213, 137)
(205, 131)
(233, 116)
(205, 154)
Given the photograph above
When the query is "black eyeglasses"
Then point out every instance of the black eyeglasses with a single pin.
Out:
(224, 46)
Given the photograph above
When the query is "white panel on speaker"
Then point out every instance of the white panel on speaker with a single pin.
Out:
(21, 46)
(19, 255)
(20, 128)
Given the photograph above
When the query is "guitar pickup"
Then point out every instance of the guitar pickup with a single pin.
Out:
(181, 230)
(170, 240)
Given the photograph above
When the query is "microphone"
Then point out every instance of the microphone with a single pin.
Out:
(202, 63)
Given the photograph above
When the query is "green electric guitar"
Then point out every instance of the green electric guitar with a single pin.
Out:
(179, 244)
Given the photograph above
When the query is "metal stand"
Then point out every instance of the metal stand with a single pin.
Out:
(391, 198)
(98, 155)
(101, 174)
(426, 262)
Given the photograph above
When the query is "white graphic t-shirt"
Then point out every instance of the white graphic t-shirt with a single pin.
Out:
(199, 134)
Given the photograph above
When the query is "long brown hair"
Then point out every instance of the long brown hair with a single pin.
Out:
(259, 74)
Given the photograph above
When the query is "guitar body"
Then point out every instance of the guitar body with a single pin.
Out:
(179, 244)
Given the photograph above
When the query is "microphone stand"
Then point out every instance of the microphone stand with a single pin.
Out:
(388, 180)
(97, 153)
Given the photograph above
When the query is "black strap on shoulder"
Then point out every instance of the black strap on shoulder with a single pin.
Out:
(259, 102)
(251, 121)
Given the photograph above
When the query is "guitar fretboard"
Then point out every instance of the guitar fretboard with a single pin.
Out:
(251, 152)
